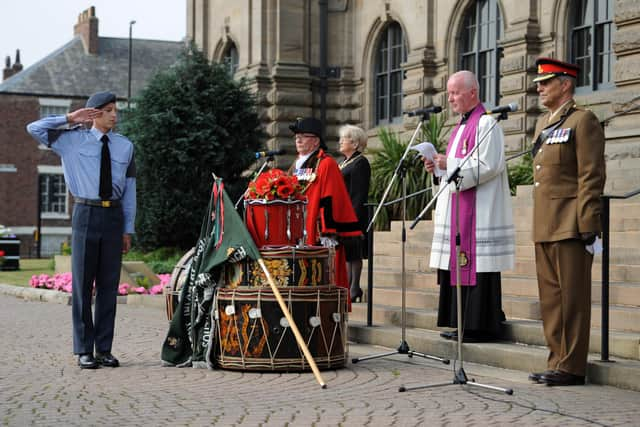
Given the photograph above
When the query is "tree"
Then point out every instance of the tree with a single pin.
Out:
(191, 120)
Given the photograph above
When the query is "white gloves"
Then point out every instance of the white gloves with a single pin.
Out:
(328, 242)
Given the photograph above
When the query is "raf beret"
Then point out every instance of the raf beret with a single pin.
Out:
(309, 125)
(548, 68)
(100, 99)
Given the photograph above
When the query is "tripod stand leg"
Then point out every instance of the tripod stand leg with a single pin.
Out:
(473, 383)
(402, 388)
(373, 356)
(428, 356)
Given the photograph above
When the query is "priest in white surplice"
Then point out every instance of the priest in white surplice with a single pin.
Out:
(486, 223)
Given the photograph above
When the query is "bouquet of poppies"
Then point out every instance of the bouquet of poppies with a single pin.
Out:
(275, 185)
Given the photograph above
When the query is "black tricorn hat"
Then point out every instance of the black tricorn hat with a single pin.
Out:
(100, 99)
(309, 125)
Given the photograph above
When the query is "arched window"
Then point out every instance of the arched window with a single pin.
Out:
(481, 30)
(391, 52)
(230, 58)
(590, 33)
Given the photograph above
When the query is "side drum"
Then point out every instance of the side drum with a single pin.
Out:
(291, 266)
(275, 222)
(254, 335)
(178, 279)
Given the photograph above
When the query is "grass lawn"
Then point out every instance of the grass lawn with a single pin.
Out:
(28, 267)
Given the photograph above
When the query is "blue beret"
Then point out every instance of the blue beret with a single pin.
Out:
(100, 99)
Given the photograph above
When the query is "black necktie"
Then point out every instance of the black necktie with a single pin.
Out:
(105, 170)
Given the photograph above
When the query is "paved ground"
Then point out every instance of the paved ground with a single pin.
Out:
(40, 384)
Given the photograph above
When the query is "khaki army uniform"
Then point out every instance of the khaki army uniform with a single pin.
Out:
(569, 176)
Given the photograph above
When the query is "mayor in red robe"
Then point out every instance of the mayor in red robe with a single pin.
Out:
(330, 215)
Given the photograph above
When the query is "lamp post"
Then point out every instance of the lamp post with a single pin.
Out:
(130, 56)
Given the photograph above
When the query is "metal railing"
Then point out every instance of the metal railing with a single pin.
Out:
(605, 200)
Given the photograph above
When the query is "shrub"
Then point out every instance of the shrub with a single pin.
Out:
(191, 120)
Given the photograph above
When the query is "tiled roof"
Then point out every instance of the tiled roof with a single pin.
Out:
(71, 72)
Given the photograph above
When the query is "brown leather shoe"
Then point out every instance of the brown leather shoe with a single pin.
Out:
(559, 378)
(535, 376)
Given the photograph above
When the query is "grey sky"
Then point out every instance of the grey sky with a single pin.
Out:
(38, 27)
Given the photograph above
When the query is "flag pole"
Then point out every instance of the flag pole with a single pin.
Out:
(294, 328)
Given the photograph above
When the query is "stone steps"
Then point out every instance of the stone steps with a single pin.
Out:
(620, 292)
(621, 317)
(523, 347)
(624, 373)
(523, 331)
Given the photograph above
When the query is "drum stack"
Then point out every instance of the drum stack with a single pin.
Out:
(252, 332)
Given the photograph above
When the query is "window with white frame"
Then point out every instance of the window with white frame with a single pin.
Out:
(54, 201)
(53, 106)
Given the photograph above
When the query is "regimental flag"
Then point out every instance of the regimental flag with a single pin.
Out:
(224, 239)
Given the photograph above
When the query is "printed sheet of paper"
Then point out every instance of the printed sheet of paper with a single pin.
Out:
(428, 151)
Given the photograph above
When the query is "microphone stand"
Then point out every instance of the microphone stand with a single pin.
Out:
(400, 172)
(459, 377)
(266, 160)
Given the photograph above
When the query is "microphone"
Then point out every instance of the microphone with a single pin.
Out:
(433, 109)
(261, 154)
(509, 108)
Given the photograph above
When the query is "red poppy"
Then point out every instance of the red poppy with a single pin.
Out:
(285, 190)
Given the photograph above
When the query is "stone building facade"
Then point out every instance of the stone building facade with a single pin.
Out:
(384, 57)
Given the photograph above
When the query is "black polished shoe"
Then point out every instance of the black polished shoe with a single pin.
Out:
(107, 359)
(87, 361)
(356, 296)
(559, 378)
(449, 335)
(535, 376)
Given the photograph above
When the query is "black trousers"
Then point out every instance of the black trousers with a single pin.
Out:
(96, 255)
(482, 313)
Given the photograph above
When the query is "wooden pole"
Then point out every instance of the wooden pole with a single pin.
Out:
(292, 324)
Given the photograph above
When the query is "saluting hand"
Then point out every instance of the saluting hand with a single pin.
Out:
(83, 115)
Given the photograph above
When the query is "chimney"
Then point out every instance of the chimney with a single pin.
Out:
(17, 66)
(87, 29)
(8, 69)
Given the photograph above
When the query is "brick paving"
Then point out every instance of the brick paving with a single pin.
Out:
(40, 384)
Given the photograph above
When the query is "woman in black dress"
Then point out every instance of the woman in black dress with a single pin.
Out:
(356, 173)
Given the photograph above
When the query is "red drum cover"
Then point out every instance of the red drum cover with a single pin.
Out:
(275, 222)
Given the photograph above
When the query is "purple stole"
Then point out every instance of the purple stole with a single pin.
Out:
(467, 206)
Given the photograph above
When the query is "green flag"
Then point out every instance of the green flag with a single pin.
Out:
(223, 239)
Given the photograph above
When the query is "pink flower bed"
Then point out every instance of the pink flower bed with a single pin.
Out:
(62, 282)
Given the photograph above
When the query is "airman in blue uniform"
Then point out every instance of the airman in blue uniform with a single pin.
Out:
(99, 171)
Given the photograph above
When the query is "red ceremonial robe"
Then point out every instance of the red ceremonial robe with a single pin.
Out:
(329, 208)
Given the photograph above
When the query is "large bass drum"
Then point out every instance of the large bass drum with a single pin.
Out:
(252, 333)
(177, 281)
